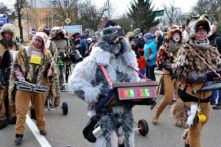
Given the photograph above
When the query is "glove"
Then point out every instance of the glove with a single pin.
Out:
(148, 60)
(210, 76)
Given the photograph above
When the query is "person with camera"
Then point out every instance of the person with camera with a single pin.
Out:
(197, 63)
(8, 44)
(33, 68)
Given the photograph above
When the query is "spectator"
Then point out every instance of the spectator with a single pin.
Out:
(150, 53)
(159, 39)
(215, 40)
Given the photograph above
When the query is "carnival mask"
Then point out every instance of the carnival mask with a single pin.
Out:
(176, 37)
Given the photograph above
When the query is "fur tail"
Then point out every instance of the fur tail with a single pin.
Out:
(178, 111)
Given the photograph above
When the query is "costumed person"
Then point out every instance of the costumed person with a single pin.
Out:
(8, 44)
(59, 37)
(88, 82)
(53, 91)
(197, 63)
(166, 57)
(33, 68)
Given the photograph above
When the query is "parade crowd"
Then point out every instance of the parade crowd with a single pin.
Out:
(188, 57)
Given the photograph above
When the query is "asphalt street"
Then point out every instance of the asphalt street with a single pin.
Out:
(66, 131)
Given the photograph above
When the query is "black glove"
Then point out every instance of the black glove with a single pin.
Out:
(211, 76)
(148, 60)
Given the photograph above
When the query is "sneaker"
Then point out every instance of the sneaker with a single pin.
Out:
(32, 114)
(43, 132)
(63, 87)
(12, 120)
(3, 123)
(18, 139)
(212, 102)
(217, 106)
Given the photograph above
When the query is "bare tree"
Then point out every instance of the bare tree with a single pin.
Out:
(5, 10)
(172, 13)
(210, 7)
(125, 22)
(90, 15)
(20, 6)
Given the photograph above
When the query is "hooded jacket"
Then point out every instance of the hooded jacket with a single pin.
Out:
(150, 52)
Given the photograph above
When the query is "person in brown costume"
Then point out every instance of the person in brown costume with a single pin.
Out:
(197, 63)
(166, 57)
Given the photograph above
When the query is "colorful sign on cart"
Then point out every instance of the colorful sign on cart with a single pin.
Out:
(136, 93)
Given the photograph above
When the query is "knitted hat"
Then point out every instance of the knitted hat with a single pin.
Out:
(148, 36)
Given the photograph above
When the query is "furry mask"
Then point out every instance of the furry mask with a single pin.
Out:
(55, 31)
(196, 22)
(112, 39)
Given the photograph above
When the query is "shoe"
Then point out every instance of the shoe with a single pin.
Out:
(154, 121)
(212, 102)
(32, 114)
(217, 106)
(187, 145)
(43, 132)
(18, 139)
(3, 123)
(12, 120)
(63, 87)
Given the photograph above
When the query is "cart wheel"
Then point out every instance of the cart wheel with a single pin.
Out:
(65, 108)
(143, 127)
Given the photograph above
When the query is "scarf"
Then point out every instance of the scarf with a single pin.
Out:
(7, 44)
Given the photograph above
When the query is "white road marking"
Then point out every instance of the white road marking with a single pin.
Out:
(41, 139)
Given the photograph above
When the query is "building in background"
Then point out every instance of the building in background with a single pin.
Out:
(49, 12)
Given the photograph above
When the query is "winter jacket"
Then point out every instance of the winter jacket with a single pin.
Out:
(141, 62)
(215, 40)
(150, 52)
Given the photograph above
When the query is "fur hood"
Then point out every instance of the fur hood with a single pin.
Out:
(8, 28)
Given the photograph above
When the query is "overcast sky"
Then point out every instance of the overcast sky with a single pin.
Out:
(121, 6)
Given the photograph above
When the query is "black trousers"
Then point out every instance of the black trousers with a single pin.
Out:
(150, 72)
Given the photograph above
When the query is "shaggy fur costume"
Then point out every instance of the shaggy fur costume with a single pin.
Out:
(191, 73)
(179, 113)
(89, 83)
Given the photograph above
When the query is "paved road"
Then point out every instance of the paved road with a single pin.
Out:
(67, 130)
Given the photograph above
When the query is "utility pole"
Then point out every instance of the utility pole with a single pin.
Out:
(108, 5)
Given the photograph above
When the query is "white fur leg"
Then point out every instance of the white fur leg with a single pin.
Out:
(121, 139)
(114, 139)
(101, 142)
(120, 135)
(131, 139)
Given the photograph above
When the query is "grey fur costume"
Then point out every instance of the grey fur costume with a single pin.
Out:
(89, 83)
